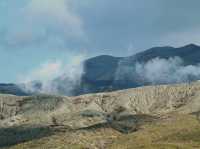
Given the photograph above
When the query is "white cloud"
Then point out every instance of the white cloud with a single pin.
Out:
(57, 12)
(39, 20)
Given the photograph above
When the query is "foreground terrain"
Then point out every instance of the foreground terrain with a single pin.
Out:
(148, 117)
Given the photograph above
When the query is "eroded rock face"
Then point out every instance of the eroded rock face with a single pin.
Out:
(15, 110)
(121, 110)
(146, 100)
(9, 106)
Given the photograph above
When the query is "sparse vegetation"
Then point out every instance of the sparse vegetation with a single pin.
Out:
(171, 132)
(163, 117)
(91, 113)
(175, 132)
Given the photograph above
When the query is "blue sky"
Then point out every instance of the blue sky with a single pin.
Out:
(35, 32)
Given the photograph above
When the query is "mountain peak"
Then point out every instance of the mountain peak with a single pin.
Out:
(191, 46)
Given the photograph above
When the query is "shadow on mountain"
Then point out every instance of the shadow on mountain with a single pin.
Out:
(16, 135)
(124, 124)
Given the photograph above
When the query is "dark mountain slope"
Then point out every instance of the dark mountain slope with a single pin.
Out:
(101, 72)
(189, 53)
(101, 67)
(108, 73)
(11, 89)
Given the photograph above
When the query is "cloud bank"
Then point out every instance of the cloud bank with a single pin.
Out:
(43, 27)
(107, 26)
(40, 21)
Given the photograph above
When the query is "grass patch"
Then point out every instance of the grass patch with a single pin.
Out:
(171, 132)
(176, 132)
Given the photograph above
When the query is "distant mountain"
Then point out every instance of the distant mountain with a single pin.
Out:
(12, 89)
(108, 73)
(101, 71)
(189, 53)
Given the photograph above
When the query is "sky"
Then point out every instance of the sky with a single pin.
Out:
(40, 38)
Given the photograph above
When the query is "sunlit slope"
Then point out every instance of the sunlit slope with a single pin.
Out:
(150, 117)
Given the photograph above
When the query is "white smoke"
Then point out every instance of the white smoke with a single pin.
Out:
(172, 70)
(49, 76)
(125, 70)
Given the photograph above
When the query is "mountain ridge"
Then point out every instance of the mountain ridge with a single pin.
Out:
(102, 73)
(190, 54)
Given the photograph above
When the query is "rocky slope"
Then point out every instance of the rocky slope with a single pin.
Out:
(107, 115)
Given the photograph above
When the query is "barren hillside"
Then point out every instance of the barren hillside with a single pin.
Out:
(101, 120)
